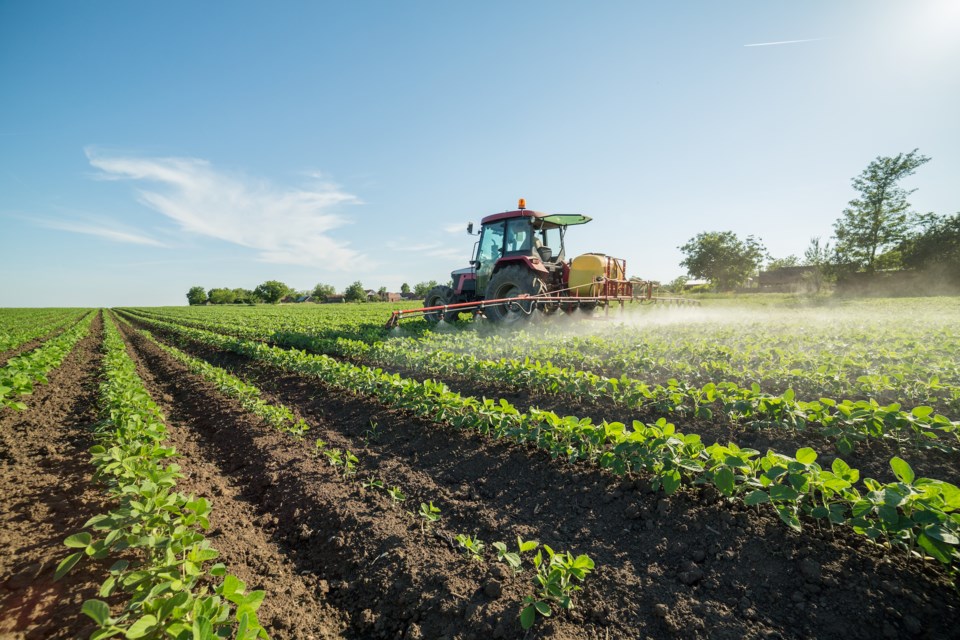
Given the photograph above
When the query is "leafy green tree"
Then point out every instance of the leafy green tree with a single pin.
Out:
(877, 220)
(722, 258)
(323, 291)
(197, 295)
(935, 245)
(818, 255)
(421, 289)
(404, 288)
(222, 296)
(243, 296)
(272, 291)
(382, 293)
(355, 293)
(781, 263)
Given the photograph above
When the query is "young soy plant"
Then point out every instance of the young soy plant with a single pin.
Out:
(555, 583)
(473, 546)
(513, 558)
(373, 482)
(396, 494)
(429, 515)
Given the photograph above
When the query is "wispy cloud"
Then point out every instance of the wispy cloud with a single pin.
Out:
(771, 44)
(285, 225)
(101, 231)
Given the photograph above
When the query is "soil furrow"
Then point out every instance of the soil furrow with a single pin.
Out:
(48, 493)
(686, 560)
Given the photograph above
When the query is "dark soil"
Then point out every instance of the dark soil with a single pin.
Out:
(45, 481)
(688, 565)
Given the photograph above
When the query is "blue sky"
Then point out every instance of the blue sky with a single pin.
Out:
(148, 147)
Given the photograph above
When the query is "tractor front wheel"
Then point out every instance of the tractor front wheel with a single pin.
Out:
(511, 282)
(439, 296)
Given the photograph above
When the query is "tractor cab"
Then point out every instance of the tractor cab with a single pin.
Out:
(524, 237)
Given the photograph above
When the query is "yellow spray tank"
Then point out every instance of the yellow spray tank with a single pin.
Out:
(587, 268)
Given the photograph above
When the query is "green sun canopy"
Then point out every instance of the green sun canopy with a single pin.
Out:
(566, 219)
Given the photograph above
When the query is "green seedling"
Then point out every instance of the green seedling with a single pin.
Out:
(318, 447)
(555, 577)
(513, 558)
(473, 546)
(372, 483)
(350, 462)
(373, 433)
(396, 494)
(429, 515)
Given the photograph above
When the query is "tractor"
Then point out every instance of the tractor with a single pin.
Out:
(519, 265)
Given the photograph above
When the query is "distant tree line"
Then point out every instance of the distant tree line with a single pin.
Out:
(273, 291)
(877, 231)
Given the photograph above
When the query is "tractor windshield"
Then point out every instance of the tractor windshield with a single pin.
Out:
(519, 235)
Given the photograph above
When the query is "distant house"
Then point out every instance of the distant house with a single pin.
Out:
(690, 284)
(410, 295)
(337, 297)
(393, 297)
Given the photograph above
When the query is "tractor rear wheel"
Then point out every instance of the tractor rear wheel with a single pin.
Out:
(439, 296)
(511, 282)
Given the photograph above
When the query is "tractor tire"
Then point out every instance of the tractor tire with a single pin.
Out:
(440, 295)
(510, 282)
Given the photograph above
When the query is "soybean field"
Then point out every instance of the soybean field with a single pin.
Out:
(758, 467)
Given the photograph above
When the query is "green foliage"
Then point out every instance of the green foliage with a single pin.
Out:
(272, 291)
(197, 295)
(781, 263)
(879, 218)
(935, 246)
(355, 293)
(723, 258)
(404, 288)
(19, 375)
(472, 546)
(429, 515)
(162, 580)
(322, 291)
(421, 289)
(222, 296)
(793, 487)
(556, 577)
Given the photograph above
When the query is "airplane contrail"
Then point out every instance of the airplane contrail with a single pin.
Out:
(770, 44)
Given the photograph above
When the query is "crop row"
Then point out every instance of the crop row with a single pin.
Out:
(19, 375)
(846, 421)
(917, 514)
(893, 356)
(19, 326)
(555, 574)
(162, 572)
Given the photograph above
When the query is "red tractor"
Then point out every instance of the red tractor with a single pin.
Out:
(519, 265)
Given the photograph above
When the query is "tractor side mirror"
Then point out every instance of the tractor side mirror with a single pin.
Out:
(470, 228)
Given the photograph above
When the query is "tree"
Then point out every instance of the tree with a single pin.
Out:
(935, 245)
(323, 291)
(421, 289)
(243, 296)
(722, 258)
(780, 263)
(382, 293)
(404, 288)
(355, 293)
(878, 219)
(272, 291)
(197, 295)
(222, 296)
